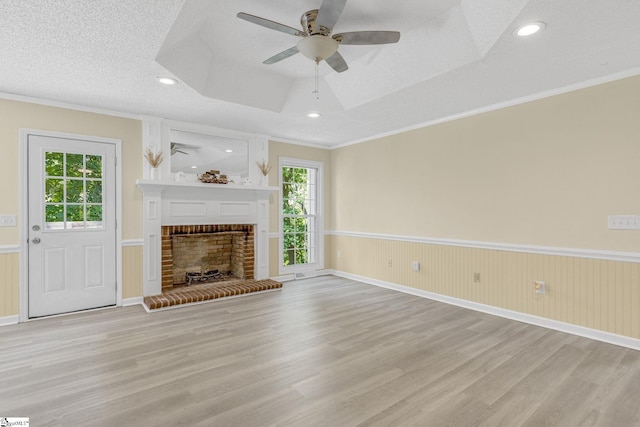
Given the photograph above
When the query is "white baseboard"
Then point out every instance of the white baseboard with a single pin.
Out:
(306, 275)
(284, 278)
(9, 320)
(132, 301)
(569, 328)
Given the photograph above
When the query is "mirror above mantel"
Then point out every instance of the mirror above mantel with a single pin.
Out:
(193, 152)
(207, 148)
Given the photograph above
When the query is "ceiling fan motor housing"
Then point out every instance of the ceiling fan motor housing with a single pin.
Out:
(308, 21)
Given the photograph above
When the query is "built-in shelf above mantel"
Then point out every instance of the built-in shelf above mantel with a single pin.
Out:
(157, 186)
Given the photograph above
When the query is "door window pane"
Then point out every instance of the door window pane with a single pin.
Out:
(75, 213)
(54, 216)
(94, 213)
(94, 191)
(54, 163)
(94, 166)
(75, 165)
(73, 191)
(54, 190)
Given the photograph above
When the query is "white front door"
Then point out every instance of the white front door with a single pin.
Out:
(72, 225)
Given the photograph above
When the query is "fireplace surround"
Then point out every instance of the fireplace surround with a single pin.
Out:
(169, 206)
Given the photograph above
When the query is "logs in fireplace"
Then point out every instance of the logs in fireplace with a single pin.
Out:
(207, 276)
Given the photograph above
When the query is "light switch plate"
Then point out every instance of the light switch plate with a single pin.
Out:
(7, 220)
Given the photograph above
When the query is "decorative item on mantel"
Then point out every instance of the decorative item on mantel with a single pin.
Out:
(265, 169)
(213, 177)
(154, 159)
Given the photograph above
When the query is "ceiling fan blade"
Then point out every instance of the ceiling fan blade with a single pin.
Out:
(282, 55)
(337, 62)
(367, 37)
(271, 24)
(329, 12)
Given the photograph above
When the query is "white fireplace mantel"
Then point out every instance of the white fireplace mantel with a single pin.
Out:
(152, 185)
(194, 203)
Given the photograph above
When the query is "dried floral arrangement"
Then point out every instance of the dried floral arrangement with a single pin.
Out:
(264, 167)
(154, 159)
(213, 177)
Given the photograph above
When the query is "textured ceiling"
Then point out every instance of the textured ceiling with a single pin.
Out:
(454, 57)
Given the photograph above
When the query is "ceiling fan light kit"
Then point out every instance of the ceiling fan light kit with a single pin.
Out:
(317, 47)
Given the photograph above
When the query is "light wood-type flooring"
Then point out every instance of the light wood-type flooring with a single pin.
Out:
(320, 352)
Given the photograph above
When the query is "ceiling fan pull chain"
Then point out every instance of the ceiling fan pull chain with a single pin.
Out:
(317, 87)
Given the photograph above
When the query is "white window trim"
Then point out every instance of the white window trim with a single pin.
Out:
(319, 248)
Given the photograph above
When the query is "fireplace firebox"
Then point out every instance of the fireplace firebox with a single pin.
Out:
(202, 253)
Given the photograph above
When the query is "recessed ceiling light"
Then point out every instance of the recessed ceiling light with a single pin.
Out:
(228, 150)
(530, 29)
(194, 167)
(313, 115)
(167, 81)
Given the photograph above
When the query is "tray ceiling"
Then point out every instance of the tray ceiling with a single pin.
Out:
(454, 57)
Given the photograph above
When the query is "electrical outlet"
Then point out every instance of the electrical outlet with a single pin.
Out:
(476, 277)
(415, 266)
(339, 254)
(624, 222)
(539, 287)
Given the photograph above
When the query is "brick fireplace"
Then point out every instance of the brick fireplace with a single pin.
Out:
(226, 249)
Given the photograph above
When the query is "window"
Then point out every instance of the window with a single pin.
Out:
(301, 239)
(73, 191)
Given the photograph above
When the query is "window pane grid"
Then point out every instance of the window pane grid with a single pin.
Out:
(73, 195)
(298, 215)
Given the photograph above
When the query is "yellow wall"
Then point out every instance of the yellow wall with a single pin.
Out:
(132, 271)
(281, 149)
(546, 173)
(9, 284)
(542, 173)
(16, 115)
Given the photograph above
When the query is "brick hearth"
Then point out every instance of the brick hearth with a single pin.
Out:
(208, 291)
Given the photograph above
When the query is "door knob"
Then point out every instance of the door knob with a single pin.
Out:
(35, 240)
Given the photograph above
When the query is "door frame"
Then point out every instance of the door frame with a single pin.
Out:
(24, 211)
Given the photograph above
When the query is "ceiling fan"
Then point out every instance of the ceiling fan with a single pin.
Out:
(316, 42)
